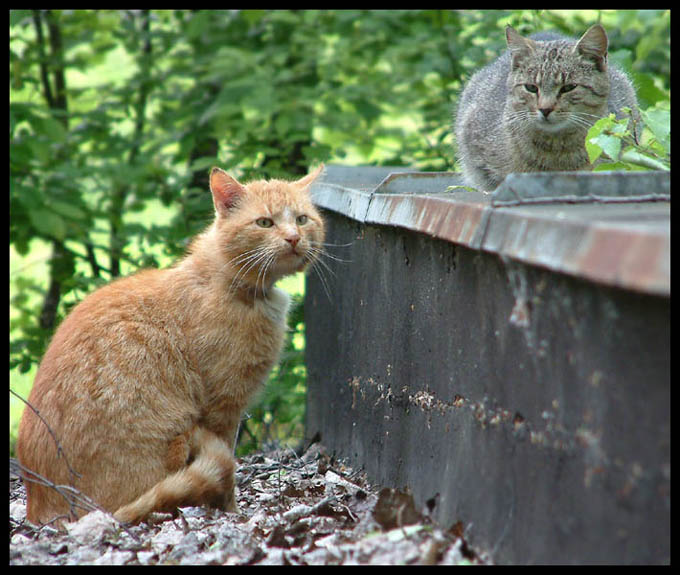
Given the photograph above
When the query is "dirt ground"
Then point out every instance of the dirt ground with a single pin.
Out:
(306, 509)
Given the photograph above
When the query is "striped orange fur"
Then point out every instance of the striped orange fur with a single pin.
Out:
(145, 381)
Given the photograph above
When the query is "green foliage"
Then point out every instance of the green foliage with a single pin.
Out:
(116, 117)
(613, 138)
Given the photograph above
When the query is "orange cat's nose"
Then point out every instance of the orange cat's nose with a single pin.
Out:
(293, 240)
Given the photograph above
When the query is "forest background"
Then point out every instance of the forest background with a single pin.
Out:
(117, 116)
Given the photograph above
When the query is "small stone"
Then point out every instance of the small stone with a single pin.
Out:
(92, 528)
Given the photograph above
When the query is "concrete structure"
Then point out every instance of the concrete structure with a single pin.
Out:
(506, 357)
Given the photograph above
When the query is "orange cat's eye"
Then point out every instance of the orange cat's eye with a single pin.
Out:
(301, 220)
(264, 222)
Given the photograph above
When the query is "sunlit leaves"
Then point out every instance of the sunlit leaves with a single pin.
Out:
(611, 146)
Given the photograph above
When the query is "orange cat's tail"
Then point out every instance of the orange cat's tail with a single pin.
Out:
(209, 479)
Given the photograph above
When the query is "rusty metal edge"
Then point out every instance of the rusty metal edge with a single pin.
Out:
(618, 257)
(347, 201)
(445, 218)
(609, 255)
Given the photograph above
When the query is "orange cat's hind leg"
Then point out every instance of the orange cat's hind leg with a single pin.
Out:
(208, 480)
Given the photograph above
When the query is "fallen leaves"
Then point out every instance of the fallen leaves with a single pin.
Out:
(294, 510)
(395, 508)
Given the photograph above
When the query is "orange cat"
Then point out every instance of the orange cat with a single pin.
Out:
(145, 381)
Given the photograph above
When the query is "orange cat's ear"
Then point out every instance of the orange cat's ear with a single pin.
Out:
(225, 190)
(309, 178)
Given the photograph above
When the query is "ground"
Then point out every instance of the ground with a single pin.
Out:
(307, 509)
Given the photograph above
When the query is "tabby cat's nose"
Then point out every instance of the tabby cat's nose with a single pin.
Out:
(546, 112)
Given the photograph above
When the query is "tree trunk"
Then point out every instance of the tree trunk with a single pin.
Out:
(61, 263)
(120, 191)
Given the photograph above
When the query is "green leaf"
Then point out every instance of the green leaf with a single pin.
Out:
(611, 145)
(648, 92)
(19, 17)
(53, 129)
(593, 149)
(622, 59)
(40, 149)
(48, 223)
(204, 164)
(611, 167)
(368, 110)
(659, 122)
(645, 46)
(67, 210)
(605, 136)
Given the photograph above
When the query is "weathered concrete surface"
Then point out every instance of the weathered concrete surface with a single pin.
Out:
(535, 404)
(583, 186)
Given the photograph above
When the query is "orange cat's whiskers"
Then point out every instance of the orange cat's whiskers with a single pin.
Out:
(318, 249)
(245, 257)
(313, 257)
(330, 245)
(324, 281)
(262, 274)
(246, 262)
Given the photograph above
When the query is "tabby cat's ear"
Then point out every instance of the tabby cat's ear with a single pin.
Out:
(225, 190)
(519, 46)
(309, 178)
(593, 45)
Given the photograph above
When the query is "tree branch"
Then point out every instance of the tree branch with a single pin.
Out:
(57, 103)
(116, 240)
(57, 52)
(44, 74)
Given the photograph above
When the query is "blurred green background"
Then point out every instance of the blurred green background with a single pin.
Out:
(117, 116)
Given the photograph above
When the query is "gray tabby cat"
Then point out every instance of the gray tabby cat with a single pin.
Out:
(531, 108)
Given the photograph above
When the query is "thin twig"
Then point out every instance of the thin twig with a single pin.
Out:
(74, 497)
(60, 451)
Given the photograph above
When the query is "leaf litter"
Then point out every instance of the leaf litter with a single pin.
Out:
(308, 509)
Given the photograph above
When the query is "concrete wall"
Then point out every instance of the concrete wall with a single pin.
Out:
(525, 394)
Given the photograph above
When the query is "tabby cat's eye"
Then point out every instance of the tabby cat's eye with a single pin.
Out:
(567, 88)
(301, 220)
(264, 222)
(531, 88)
